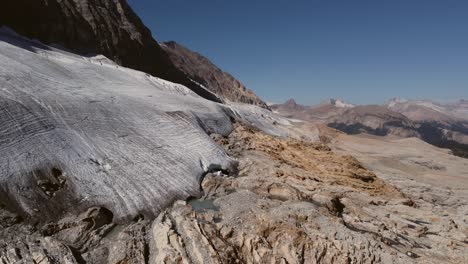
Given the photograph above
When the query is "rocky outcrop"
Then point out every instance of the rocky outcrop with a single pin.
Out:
(89, 237)
(291, 202)
(203, 71)
(107, 27)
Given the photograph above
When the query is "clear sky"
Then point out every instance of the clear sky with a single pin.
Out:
(364, 51)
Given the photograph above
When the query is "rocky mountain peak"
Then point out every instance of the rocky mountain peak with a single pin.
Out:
(290, 102)
(340, 103)
(394, 101)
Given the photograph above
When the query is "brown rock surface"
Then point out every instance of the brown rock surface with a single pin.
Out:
(292, 201)
(275, 212)
(203, 71)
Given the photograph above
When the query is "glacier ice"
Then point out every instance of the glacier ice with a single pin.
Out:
(83, 131)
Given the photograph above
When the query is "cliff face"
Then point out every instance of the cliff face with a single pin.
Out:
(203, 71)
(107, 27)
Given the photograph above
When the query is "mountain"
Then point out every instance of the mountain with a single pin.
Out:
(203, 71)
(86, 144)
(447, 121)
(289, 106)
(425, 110)
(104, 164)
(460, 108)
(373, 119)
(313, 113)
(443, 125)
(107, 27)
(340, 103)
(101, 163)
(94, 156)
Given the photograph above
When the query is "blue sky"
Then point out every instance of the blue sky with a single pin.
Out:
(364, 51)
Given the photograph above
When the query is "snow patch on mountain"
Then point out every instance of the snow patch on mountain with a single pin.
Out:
(340, 103)
(394, 101)
(429, 110)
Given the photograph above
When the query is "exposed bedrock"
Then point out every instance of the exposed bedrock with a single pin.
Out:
(203, 71)
(297, 202)
(282, 207)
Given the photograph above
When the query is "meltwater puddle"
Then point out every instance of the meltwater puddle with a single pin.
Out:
(201, 206)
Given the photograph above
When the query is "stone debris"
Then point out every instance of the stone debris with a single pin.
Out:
(282, 207)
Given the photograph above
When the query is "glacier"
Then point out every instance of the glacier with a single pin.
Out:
(81, 131)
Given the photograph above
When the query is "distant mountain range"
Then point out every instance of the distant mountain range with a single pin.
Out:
(443, 125)
(318, 112)
(423, 110)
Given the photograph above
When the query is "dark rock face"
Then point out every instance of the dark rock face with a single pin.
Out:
(203, 71)
(440, 135)
(107, 27)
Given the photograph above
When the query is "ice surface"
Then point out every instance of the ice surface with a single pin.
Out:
(82, 131)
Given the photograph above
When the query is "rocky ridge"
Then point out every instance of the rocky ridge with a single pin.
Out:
(443, 125)
(315, 113)
(425, 110)
(111, 28)
(203, 71)
(373, 119)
